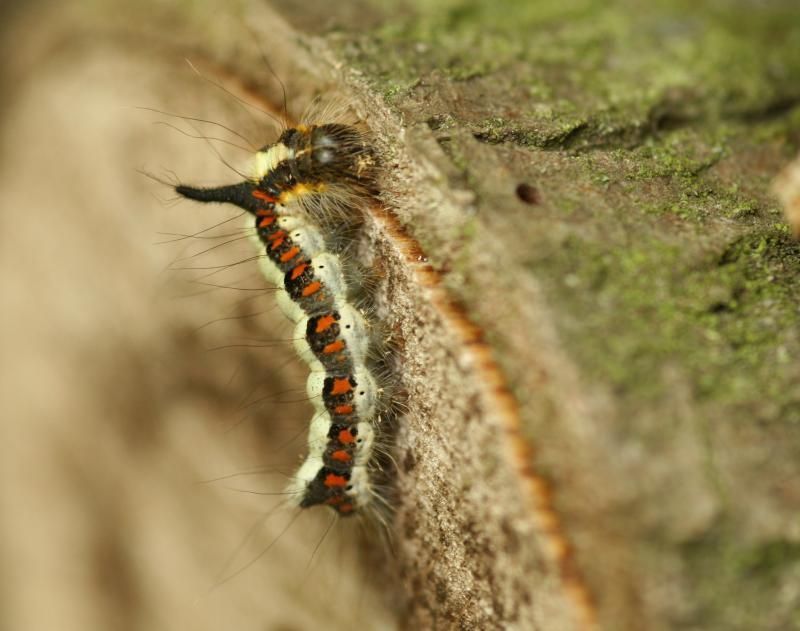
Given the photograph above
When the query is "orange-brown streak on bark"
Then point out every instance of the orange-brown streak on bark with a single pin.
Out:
(498, 397)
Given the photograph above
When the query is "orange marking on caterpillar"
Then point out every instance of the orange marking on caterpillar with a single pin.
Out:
(325, 322)
(288, 256)
(301, 188)
(267, 220)
(341, 386)
(346, 437)
(298, 270)
(258, 194)
(277, 239)
(333, 347)
(311, 289)
(343, 410)
(333, 481)
(341, 456)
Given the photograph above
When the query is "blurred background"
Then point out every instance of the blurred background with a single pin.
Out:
(115, 404)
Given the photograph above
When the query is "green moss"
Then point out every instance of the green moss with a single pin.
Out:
(727, 318)
(734, 580)
(684, 153)
(620, 69)
(545, 134)
(705, 278)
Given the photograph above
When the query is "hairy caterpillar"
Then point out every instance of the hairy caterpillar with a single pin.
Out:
(308, 180)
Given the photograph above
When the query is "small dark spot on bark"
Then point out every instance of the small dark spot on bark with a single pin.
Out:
(720, 307)
(528, 194)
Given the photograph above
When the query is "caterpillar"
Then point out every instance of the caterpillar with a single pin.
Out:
(315, 174)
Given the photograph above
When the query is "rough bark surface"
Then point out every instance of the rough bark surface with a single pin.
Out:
(596, 296)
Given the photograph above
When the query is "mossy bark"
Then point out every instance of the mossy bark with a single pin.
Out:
(590, 181)
(646, 139)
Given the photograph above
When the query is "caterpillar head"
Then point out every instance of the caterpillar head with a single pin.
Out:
(329, 153)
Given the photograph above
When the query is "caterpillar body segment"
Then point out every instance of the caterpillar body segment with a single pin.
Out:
(349, 398)
(340, 446)
(315, 284)
(338, 339)
(343, 490)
